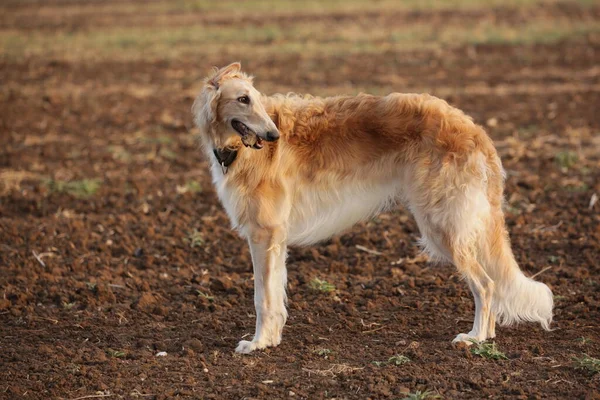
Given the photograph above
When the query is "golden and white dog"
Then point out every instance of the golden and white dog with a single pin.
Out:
(295, 170)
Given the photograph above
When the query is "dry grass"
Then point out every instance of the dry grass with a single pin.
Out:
(303, 36)
(11, 179)
(260, 6)
(334, 370)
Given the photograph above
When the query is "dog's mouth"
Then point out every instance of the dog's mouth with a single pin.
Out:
(249, 137)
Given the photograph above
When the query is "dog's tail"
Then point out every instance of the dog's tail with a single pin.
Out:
(516, 297)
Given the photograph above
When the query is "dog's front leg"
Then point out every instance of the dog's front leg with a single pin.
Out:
(268, 249)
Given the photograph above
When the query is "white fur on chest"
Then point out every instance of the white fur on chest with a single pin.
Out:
(319, 213)
(230, 198)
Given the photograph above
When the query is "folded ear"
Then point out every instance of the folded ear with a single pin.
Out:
(205, 108)
(219, 74)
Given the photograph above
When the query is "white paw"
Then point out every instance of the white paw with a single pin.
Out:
(466, 338)
(247, 347)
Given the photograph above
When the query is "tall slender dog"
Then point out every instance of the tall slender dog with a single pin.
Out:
(295, 170)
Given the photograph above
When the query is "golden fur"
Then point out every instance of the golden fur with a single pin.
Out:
(342, 159)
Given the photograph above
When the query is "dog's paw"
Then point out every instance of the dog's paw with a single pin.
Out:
(247, 347)
(465, 338)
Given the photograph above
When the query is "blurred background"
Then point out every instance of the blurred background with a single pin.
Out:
(113, 245)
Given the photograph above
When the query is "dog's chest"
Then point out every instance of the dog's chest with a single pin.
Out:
(230, 198)
(319, 213)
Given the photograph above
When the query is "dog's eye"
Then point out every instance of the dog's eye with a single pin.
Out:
(244, 99)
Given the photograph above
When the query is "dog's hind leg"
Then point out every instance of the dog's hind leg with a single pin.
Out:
(482, 287)
(458, 209)
(268, 250)
(452, 209)
(445, 243)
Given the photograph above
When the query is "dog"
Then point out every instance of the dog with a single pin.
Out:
(295, 170)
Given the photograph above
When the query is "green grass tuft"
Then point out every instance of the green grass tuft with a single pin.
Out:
(81, 189)
(116, 353)
(194, 239)
(323, 352)
(487, 350)
(321, 286)
(206, 296)
(583, 340)
(398, 359)
(587, 363)
(418, 395)
(566, 159)
(193, 187)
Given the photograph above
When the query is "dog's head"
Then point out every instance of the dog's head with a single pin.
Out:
(229, 106)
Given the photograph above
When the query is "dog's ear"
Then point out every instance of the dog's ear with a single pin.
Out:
(219, 74)
(205, 108)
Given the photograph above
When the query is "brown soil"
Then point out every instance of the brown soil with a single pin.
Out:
(94, 287)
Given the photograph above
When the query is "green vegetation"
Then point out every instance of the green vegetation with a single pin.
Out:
(303, 35)
(587, 363)
(487, 350)
(204, 295)
(116, 353)
(321, 286)
(81, 189)
(398, 359)
(194, 238)
(418, 395)
(583, 340)
(193, 186)
(323, 352)
(566, 159)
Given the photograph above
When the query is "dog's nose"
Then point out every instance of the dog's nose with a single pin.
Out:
(272, 136)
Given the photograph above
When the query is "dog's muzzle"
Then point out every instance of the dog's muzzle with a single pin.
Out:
(251, 138)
